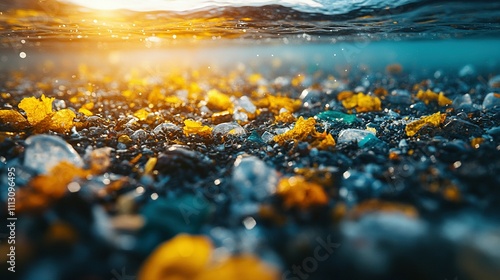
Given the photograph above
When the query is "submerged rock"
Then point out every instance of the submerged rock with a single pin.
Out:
(45, 151)
(253, 179)
(353, 135)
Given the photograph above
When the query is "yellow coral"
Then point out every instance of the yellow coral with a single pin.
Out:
(297, 192)
(434, 120)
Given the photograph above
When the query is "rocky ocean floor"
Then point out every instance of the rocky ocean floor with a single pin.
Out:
(196, 174)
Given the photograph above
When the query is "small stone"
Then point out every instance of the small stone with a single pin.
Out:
(267, 136)
(491, 101)
(253, 179)
(165, 128)
(310, 95)
(139, 135)
(246, 104)
(45, 151)
(457, 128)
(230, 128)
(124, 139)
(467, 71)
(353, 135)
(494, 82)
(463, 102)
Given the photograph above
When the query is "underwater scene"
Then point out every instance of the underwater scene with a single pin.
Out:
(285, 139)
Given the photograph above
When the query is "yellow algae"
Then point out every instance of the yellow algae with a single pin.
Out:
(191, 257)
(62, 120)
(13, 119)
(276, 103)
(302, 129)
(434, 120)
(173, 99)
(141, 114)
(194, 127)
(43, 189)
(150, 165)
(326, 143)
(254, 78)
(305, 130)
(218, 100)
(232, 268)
(37, 109)
(155, 96)
(86, 112)
(297, 80)
(125, 139)
(374, 205)
(42, 118)
(361, 102)
(285, 117)
(344, 95)
(297, 192)
(443, 100)
(429, 96)
(182, 257)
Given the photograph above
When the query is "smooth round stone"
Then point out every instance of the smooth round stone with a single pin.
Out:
(252, 178)
(353, 135)
(43, 152)
(165, 127)
(228, 128)
(491, 101)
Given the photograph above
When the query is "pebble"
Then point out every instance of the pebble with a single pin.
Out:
(491, 101)
(353, 135)
(165, 128)
(43, 152)
(230, 128)
(139, 135)
(253, 178)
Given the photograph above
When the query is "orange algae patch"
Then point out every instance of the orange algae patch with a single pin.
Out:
(429, 96)
(434, 120)
(190, 257)
(13, 119)
(297, 192)
(43, 189)
(42, 118)
(284, 117)
(304, 130)
(362, 103)
(194, 127)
